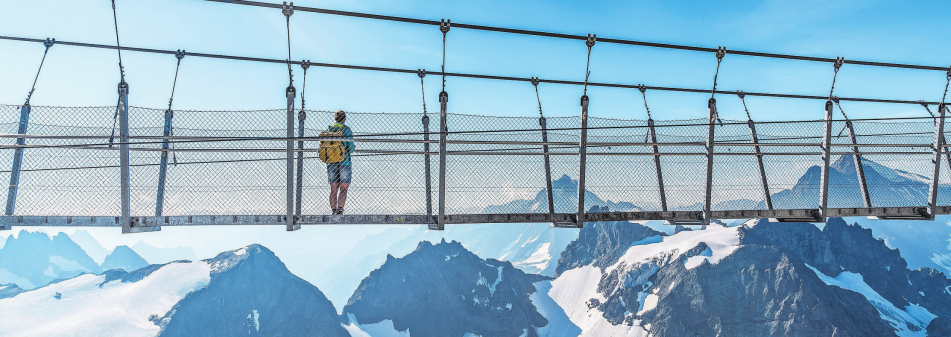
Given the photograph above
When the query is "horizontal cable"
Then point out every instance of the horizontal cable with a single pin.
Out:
(465, 75)
(579, 37)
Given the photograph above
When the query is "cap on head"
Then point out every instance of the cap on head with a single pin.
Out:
(340, 116)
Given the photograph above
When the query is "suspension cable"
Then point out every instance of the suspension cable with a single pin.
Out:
(288, 11)
(444, 26)
(590, 41)
(304, 65)
(115, 117)
(49, 43)
(743, 100)
(467, 75)
(839, 61)
(179, 55)
(946, 83)
(537, 97)
(721, 52)
(422, 87)
(643, 89)
(576, 37)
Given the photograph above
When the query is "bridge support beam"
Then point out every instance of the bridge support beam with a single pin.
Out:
(299, 198)
(768, 198)
(290, 218)
(582, 158)
(660, 175)
(163, 165)
(937, 148)
(17, 159)
(427, 166)
(128, 223)
(708, 193)
(548, 188)
(443, 132)
(826, 161)
(857, 162)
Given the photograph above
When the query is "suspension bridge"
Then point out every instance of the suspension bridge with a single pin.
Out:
(132, 167)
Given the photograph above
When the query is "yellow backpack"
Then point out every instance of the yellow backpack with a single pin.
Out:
(332, 151)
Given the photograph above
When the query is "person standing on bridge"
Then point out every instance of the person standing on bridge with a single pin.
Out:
(337, 157)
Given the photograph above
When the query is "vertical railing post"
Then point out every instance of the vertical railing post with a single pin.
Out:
(708, 192)
(17, 159)
(290, 218)
(548, 188)
(443, 133)
(163, 164)
(857, 162)
(937, 148)
(299, 197)
(759, 163)
(826, 160)
(582, 157)
(660, 175)
(125, 178)
(427, 166)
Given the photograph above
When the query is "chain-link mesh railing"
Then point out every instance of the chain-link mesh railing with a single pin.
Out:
(233, 163)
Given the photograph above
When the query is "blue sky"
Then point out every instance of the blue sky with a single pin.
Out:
(908, 32)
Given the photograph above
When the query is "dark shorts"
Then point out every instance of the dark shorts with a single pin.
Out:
(338, 173)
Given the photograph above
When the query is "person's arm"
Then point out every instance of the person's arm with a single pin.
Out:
(351, 146)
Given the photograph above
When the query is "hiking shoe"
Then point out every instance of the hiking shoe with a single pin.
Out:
(339, 211)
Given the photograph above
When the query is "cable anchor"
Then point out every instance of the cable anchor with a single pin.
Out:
(444, 26)
(288, 10)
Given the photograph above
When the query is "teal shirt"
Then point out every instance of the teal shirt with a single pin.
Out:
(350, 146)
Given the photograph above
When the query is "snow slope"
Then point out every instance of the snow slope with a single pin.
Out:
(89, 306)
(902, 320)
(579, 291)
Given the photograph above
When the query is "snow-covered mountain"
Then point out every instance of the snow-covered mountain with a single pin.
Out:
(753, 280)
(565, 193)
(124, 258)
(887, 187)
(34, 259)
(445, 290)
(242, 292)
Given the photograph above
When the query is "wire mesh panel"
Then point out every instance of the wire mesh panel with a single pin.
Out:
(234, 163)
(620, 177)
(794, 180)
(737, 183)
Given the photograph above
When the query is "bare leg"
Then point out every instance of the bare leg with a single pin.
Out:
(333, 195)
(343, 194)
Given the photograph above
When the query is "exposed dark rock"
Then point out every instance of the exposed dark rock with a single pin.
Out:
(842, 247)
(602, 244)
(757, 291)
(251, 292)
(445, 290)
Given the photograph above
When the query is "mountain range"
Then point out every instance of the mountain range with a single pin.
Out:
(754, 278)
